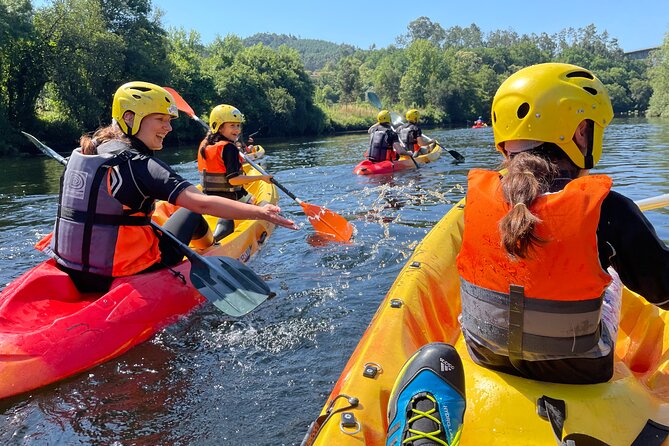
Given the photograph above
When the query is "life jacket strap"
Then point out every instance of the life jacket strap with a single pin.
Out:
(516, 316)
(103, 219)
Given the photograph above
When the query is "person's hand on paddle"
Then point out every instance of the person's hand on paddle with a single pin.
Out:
(266, 178)
(270, 213)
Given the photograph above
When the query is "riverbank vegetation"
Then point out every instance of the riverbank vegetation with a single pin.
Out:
(60, 64)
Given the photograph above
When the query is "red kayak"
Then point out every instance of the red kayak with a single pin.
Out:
(50, 331)
(368, 167)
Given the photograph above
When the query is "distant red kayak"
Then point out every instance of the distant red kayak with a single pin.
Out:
(368, 167)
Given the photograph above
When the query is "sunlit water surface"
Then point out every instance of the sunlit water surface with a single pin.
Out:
(261, 379)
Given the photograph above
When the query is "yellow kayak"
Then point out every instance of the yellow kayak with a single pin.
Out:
(256, 152)
(248, 234)
(423, 305)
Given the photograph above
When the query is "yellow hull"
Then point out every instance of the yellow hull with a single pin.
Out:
(248, 235)
(501, 409)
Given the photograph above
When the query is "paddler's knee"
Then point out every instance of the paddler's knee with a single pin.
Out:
(224, 228)
(202, 236)
(190, 227)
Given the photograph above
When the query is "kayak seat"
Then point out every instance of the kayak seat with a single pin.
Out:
(640, 337)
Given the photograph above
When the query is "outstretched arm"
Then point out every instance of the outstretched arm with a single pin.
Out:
(191, 198)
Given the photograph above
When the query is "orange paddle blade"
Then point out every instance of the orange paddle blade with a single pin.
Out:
(181, 102)
(327, 222)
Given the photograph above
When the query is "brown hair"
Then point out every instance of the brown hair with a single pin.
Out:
(530, 174)
(89, 142)
(210, 139)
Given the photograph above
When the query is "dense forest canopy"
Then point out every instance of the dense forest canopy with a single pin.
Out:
(61, 63)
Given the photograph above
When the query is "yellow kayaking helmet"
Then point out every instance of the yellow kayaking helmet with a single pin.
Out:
(547, 102)
(383, 117)
(413, 115)
(143, 99)
(224, 113)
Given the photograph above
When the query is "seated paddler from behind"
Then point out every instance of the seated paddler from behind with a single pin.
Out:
(220, 163)
(411, 135)
(109, 189)
(384, 143)
(546, 246)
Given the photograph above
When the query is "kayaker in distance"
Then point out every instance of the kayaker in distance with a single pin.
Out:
(560, 240)
(250, 146)
(479, 123)
(384, 144)
(108, 192)
(248, 149)
(220, 163)
(411, 134)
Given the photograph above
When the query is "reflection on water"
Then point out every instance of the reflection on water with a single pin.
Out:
(263, 378)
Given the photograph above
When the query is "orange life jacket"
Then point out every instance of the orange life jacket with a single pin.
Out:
(544, 306)
(213, 173)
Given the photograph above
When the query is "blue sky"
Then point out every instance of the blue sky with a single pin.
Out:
(363, 23)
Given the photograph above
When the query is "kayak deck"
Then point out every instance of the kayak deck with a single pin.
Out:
(368, 167)
(423, 306)
(49, 330)
(258, 152)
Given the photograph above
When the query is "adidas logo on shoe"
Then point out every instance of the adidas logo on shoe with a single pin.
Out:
(446, 366)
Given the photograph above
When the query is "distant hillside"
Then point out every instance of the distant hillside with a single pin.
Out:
(315, 53)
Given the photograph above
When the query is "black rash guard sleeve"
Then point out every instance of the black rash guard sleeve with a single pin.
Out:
(231, 160)
(145, 179)
(628, 242)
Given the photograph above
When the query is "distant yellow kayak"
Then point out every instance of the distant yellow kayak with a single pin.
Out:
(423, 305)
(256, 152)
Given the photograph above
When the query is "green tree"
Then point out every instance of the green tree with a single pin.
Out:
(22, 71)
(458, 37)
(423, 56)
(269, 86)
(77, 33)
(348, 79)
(659, 81)
(388, 76)
(140, 28)
(423, 29)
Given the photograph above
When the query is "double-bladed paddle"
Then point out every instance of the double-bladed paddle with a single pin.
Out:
(397, 119)
(322, 219)
(227, 283)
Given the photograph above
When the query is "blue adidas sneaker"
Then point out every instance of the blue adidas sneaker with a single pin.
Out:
(427, 403)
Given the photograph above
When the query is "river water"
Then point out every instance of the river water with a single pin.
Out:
(261, 379)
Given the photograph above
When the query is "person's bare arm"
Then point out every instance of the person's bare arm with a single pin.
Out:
(240, 180)
(192, 199)
(400, 149)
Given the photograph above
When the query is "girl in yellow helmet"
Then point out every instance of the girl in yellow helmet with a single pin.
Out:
(557, 241)
(108, 192)
(220, 163)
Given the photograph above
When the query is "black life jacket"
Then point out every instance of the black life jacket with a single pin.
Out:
(380, 145)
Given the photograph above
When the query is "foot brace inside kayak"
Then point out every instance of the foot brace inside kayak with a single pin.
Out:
(555, 411)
